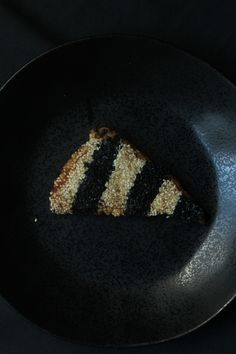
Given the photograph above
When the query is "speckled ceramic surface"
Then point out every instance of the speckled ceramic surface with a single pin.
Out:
(127, 281)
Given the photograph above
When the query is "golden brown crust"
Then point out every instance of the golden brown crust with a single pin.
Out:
(68, 167)
(72, 174)
(103, 133)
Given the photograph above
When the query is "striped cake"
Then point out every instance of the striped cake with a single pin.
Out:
(107, 175)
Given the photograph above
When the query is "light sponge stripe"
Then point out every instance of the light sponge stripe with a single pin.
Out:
(128, 163)
(66, 185)
(166, 200)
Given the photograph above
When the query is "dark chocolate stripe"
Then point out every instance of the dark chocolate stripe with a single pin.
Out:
(145, 189)
(187, 210)
(97, 175)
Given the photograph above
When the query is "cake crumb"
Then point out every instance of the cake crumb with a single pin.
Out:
(166, 199)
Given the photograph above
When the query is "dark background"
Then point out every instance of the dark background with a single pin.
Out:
(206, 29)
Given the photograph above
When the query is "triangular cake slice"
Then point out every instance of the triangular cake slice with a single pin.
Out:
(107, 175)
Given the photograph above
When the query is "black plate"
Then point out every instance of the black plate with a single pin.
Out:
(118, 281)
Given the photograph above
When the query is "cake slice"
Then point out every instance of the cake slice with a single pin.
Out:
(107, 175)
